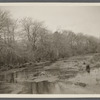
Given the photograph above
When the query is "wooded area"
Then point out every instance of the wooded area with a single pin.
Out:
(29, 40)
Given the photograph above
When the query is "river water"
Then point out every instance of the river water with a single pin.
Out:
(83, 83)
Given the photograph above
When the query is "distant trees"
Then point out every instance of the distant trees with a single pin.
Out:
(34, 32)
(8, 45)
(29, 40)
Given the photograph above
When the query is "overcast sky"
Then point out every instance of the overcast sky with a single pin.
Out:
(85, 19)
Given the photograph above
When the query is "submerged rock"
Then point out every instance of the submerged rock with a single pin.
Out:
(80, 84)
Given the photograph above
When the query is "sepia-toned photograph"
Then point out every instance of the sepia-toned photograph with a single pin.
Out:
(49, 48)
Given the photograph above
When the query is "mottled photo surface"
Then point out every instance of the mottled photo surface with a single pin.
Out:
(49, 49)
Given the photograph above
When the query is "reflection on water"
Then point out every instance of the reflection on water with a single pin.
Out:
(82, 83)
(42, 87)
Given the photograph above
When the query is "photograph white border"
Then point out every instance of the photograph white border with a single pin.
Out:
(49, 95)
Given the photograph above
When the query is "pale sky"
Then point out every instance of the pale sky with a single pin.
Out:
(85, 19)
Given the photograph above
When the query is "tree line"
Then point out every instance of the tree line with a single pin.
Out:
(28, 40)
